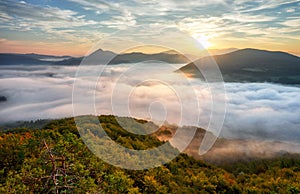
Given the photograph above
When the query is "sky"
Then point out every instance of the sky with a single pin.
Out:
(74, 27)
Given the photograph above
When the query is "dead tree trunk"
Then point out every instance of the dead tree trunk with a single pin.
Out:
(59, 171)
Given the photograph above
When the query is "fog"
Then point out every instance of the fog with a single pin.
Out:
(260, 111)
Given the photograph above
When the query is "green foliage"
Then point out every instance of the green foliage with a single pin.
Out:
(25, 166)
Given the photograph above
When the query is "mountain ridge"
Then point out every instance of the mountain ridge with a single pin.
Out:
(250, 65)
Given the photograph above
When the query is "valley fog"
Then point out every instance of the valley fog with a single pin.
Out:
(259, 111)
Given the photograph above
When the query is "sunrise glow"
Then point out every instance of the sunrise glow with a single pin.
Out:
(204, 41)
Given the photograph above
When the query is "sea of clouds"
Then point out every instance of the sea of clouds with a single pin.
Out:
(260, 111)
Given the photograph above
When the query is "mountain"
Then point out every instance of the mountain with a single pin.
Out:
(47, 57)
(137, 57)
(102, 57)
(98, 57)
(28, 59)
(251, 65)
(19, 59)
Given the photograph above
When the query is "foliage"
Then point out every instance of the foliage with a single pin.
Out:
(25, 166)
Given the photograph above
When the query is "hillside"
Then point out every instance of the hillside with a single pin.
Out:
(27, 166)
(98, 57)
(29, 59)
(107, 57)
(20, 59)
(251, 65)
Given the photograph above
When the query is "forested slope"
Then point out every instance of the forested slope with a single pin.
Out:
(30, 156)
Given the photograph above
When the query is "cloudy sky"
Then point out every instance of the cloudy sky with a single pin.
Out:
(72, 27)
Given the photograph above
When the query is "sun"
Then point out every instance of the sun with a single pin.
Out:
(203, 40)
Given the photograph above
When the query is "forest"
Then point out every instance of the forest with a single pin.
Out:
(54, 159)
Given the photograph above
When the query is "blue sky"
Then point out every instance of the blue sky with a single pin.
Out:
(74, 26)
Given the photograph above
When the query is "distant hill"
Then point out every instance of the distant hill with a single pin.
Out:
(251, 65)
(102, 57)
(98, 57)
(28, 59)
(47, 57)
(140, 57)
(41, 56)
(19, 59)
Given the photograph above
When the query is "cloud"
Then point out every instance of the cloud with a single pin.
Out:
(65, 47)
(28, 17)
(98, 6)
(263, 111)
(121, 22)
(292, 23)
(4, 17)
(254, 110)
(257, 5)
(247, 18)
(120, 19)
(218, 20)
(290, 10)
(258, 114)
(166, 7)
(223, 22)
(146, 8)
(32, 12)
(245, 150)
(238, 27)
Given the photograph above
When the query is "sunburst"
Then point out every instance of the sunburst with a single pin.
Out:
(203, 40)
